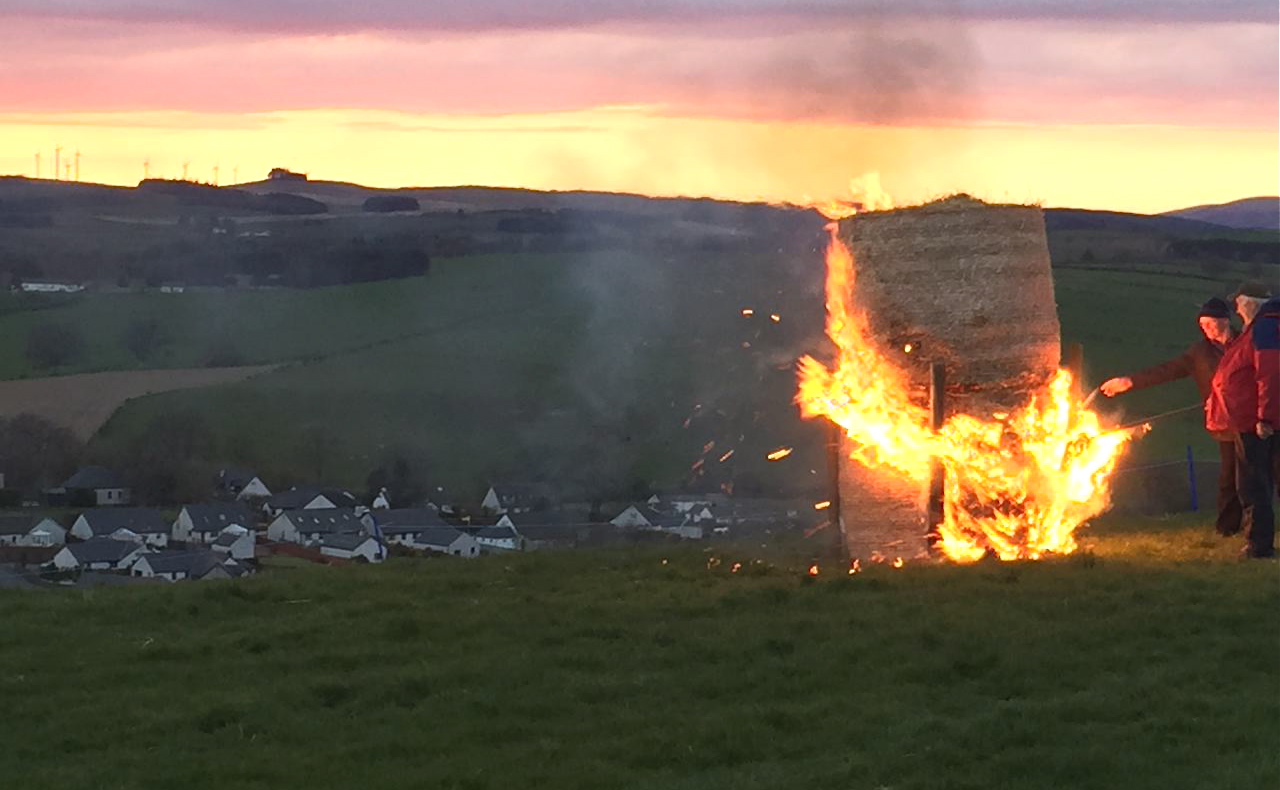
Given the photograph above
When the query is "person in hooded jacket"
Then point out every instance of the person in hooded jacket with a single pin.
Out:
(1244, 398)
(1199, 362)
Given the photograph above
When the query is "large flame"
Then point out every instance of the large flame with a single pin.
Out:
(1017, 485)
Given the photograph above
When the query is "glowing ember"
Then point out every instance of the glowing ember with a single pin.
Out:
(775, 317)
(779, 454)
(1017, 484)
(907, 348)
(823, 505)
(855, 566)
(726, 456)
(898, 562)
(813, 569)
(748, 311)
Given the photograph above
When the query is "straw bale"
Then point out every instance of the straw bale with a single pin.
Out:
(965, 283)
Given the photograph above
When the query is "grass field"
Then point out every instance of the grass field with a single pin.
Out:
(1146, 662)
(583, 367)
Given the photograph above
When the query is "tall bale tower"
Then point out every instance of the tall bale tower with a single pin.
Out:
(964, 283)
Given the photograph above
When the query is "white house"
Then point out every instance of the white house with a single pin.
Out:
(243, 484)
(180, 564)
(236, 542)
(403, 526)
(309, 526)
(645, 517)
(497, 538)
(447, 540)
(148, 524)
(516, 498)
(350, 546)
(98, 554)
(640, 516)
(36, 531)
(309, 499)
(204, 523)
(102, 486)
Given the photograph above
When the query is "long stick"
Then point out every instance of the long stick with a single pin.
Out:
(1139, 423)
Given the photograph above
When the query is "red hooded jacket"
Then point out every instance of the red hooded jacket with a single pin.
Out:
(1246, 386)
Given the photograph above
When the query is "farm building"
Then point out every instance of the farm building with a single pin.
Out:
(204, 523)
(308, 526)
(35, 531)
(149, 525)
(49, 287)
(99, 554)
(351, 546)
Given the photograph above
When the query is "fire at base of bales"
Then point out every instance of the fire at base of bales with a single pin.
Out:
(967, 286)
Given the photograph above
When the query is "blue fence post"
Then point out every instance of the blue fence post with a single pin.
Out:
(1191, 479)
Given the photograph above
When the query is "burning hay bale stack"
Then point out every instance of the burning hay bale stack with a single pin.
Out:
(959, 282)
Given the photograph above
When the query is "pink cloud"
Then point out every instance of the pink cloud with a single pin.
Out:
(937, 70)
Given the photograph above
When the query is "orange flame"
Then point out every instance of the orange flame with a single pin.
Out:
(866, 195)
(1017, 485)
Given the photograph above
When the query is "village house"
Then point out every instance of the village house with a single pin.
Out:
(236, 542)
(547, 529)
(243, 484)
(447, 540)
(309, 526)
(96, 485)
(99, 554)
(403, 526)
(149, 525)
(180, 564)
(351, 546)
(646, 517)
(497, 538)
(33, 531)
(308, 499)
(204, 523)
(516, 498)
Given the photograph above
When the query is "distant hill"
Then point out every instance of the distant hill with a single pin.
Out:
(1261, 213)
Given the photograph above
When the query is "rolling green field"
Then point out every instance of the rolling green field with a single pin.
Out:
(583, 366)
(1148, 661)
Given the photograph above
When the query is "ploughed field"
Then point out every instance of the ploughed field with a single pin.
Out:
(85, 401)
(1145, 661)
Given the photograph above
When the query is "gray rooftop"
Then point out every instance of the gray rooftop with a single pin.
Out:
(101, 550)
(192, 563)
(20, 524)
(94, 477)
(212, 518)
(346, 541)
(142, 520)
(326, 520)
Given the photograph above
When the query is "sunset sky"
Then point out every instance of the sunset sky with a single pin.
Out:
(1139, 105)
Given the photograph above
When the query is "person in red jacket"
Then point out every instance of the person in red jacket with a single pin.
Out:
(1244, 398)
(1199, 362)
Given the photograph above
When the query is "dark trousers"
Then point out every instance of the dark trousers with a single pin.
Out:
(1255, 468)
(1229, 508)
